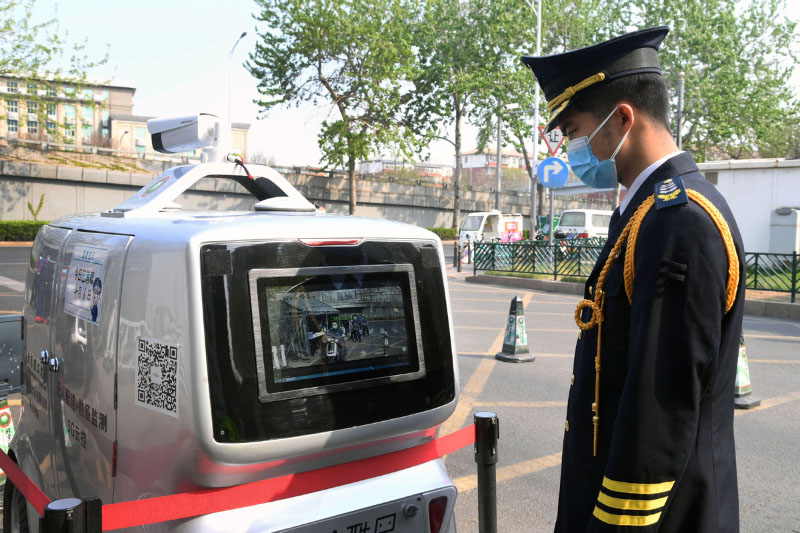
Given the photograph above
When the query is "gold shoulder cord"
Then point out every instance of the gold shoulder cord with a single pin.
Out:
(631, 232)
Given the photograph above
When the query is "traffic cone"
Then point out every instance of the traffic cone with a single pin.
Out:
(515, 342)
(743, 391)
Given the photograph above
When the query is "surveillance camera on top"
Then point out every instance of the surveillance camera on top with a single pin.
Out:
(185, 134)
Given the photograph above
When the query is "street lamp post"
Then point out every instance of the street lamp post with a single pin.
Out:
(119, 145)
(538, 11)
(229, 125)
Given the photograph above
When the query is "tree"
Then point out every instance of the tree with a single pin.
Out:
(459, 55)
(353, 54)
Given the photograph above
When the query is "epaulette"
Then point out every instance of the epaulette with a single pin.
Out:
(670, 192)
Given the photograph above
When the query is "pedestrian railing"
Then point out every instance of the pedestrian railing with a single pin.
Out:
(576, 257)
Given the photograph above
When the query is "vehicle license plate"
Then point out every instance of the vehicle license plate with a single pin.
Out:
(401, 516)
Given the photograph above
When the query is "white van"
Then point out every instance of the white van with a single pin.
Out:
(167, 350)
(583, 224)
(490, 226)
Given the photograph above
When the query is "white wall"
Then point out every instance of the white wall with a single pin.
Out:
(754, 188)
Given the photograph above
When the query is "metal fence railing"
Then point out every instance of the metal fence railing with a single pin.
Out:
(575, 258)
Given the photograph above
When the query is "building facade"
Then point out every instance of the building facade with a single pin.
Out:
(89, 114)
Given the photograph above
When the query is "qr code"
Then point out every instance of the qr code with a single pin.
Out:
(157, 376)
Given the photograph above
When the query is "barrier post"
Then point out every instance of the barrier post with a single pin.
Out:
(458, 257)
(487, 433)
(71, 515)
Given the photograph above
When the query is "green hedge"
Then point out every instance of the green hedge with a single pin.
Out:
(446, 234)
(19, 230)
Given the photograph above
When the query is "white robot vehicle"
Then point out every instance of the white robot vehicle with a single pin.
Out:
(169, 351)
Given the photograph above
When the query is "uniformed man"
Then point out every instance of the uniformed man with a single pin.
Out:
(648, 443)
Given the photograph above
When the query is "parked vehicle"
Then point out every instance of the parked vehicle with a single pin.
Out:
(583, 224)
(490, 226)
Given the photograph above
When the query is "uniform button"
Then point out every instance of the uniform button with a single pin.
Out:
(572, 380)
(580, 334)
(566, 425)
(590, 289)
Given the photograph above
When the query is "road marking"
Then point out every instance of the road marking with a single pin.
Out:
(506, 473)
(481, 403)
(484, 354)
(484, 312)
(571, 330)
(477, 381)
(532, 466)
(774, 361)
(18, 312)
(782, 337)
(12, 294)
(771, 402)
(12, 284)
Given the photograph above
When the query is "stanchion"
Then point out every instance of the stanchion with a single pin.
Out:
(458, 257)
(72, 515)
(487, 433)
(469, 253)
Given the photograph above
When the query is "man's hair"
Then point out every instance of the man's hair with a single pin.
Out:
(647, 92)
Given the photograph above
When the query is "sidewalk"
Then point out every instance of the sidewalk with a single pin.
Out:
(751, 306)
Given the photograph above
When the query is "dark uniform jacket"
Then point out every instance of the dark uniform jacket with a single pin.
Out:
(665, 460)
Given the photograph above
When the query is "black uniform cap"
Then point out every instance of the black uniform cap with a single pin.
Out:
(562, 76)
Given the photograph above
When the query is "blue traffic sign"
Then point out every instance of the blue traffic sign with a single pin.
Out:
(553, 172)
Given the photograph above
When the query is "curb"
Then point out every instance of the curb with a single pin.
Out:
(751, 307)
(16, 244)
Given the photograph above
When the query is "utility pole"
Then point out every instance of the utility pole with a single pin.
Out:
(679, 113)
(538, 11)
(497, 166)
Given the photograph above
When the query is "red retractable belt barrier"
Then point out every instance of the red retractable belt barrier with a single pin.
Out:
(207, 501)
(27, 487)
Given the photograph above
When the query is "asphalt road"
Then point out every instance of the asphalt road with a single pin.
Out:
(13, 269)
(530, 399)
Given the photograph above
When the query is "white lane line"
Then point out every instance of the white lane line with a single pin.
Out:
(12, 284)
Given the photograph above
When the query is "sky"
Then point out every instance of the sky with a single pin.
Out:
(176, 53)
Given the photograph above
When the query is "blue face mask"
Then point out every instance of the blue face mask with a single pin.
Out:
(583, 162)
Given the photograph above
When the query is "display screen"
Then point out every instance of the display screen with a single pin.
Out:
(324, 329)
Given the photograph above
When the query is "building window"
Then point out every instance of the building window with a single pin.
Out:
(13, 106)
(105, 95)
(51, 126)
(69, 92)
(51, 110)
(105, 133)
(33, 107)
(13, 126)
(87, 113)
(12, 86)
(87, 133)
(51, 91)
(87, 94)
(32, 87)
(69, 133)
(69, 111)
(141, 135)
(33, 127)
(104, 114)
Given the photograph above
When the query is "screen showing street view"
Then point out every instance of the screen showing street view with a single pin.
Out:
(334, 328)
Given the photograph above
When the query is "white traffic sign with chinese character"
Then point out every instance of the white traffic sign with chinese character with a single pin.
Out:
(554, 139)
(553, 172)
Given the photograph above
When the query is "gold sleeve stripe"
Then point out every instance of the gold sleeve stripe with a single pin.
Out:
(632, 505)
(637, 488)
(625, 519)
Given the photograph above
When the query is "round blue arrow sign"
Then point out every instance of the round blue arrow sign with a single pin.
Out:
(553, 172)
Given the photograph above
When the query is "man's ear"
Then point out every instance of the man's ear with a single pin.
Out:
(626, 116)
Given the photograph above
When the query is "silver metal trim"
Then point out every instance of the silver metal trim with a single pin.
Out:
(264, 395)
